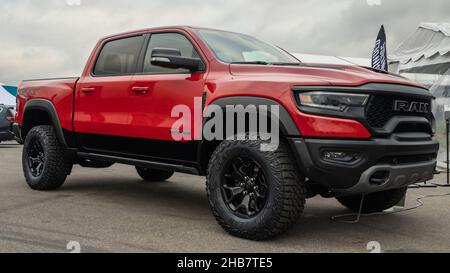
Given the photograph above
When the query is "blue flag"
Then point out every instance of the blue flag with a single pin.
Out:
(11, 89)
(379, 56)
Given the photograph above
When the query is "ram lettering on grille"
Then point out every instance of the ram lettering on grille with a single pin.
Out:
(411, 106)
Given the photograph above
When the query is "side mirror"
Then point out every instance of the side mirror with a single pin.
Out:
(171, 58)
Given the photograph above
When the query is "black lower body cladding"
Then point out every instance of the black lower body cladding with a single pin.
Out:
(363, 166)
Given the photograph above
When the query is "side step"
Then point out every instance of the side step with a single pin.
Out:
(139, 162)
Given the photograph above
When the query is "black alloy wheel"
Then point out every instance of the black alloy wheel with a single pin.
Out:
(244, 187)
(36, 157)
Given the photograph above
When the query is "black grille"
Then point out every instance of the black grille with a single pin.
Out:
(380, 109)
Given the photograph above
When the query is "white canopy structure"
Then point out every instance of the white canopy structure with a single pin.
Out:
(426, 51)
(424, 57)
(7, 96)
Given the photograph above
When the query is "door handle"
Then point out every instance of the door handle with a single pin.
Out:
(140, 90)
(88, 90)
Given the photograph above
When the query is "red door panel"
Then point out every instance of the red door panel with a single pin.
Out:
(102, 105)
(150, 110)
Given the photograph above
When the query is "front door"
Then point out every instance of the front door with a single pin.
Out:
(155, 92)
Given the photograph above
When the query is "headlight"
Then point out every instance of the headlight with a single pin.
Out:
(332, 101)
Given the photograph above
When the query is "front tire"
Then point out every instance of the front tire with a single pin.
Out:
(44, 160)
(154, 175)
(374, 202)
(254, 194)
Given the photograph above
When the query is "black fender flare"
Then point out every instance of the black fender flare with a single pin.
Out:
(49, 108)
(287, 124)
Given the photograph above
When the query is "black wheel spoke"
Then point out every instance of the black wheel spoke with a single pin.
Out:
(245, 205)
(34, 160)
(260, 195)
(250, 169)
(40, 167)
(234, 192)
(247, 166)
(237, 174)
(255, 205)
(262, 182)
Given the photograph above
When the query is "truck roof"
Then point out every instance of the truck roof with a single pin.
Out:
(175, 27)
(179, 27)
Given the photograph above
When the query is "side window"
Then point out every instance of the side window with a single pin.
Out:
(119, 57)
(168, 40)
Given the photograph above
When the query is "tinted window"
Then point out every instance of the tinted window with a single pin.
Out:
(168, 40)
(119, 56)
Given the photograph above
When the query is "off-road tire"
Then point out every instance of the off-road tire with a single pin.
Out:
(153, 175)
(57, 164)
(374, 202)
(286, 194)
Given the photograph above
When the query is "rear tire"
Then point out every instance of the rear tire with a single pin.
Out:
(275, 204)
(44, 160)
(153, 175)
(374, 202)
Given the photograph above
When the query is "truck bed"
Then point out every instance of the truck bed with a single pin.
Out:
(59, 91)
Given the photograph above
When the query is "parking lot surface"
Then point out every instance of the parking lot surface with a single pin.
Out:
(113, 210)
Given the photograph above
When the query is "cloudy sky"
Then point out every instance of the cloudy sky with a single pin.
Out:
(53, 38)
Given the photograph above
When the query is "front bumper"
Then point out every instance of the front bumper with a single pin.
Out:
(381, 164)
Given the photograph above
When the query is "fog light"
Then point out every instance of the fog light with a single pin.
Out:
(340, 156)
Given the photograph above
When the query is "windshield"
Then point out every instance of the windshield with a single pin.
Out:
(232, 47)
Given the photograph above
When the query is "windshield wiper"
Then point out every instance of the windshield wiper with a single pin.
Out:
(267, 63)
(287, 64)
(255, 62)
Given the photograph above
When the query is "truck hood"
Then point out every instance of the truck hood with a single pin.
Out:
(321, 74)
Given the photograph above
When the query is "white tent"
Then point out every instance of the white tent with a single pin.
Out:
(425, 57)
(6, 97)
(426, 51)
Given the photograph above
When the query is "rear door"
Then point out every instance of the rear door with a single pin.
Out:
(155, 92)
(102, 98)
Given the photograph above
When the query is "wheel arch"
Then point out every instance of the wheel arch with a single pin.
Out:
(287, 125)
(41, 112)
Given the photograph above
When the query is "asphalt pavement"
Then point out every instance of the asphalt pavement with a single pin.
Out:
(113, 210)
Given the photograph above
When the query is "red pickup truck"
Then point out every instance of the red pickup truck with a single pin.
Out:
(344, 131)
